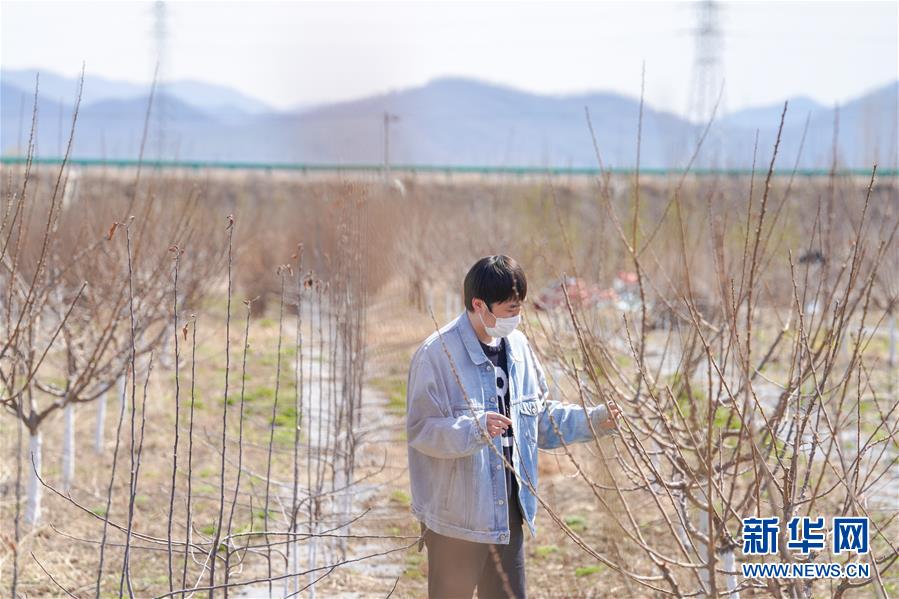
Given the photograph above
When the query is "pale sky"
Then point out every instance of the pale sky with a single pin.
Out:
(288, 53)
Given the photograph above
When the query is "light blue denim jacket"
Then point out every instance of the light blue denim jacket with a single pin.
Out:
(458, 483)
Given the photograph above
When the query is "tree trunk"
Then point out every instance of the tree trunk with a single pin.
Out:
(101, 423)
(123, 393)
(730, 564)
(35, 490)
(313, 545)
(68, 448)
(892, 355)
(705, 549)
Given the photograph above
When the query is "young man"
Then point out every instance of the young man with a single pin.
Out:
(470, 505)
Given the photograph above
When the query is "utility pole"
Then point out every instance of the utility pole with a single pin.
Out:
(708, 75)
(388, 118)
(160, 36)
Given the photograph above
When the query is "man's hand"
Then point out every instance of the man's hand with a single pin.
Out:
(497, 424)
(611, 421)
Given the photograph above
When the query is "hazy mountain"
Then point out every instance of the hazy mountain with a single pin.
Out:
(762, 116)
(219, 100)
(465, 122)
(866, 131)
(448, 121)
(16, 109)
(110, 128)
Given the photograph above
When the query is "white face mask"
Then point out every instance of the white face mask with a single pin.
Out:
(504, 326)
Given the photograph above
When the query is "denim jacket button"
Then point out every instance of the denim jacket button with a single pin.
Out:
(500, 502)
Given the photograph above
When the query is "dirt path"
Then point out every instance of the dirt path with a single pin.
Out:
(378, 500)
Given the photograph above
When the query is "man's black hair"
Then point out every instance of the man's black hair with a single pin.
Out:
(495, 279)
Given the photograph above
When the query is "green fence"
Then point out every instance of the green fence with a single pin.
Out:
(408, 169)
